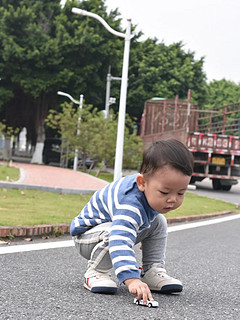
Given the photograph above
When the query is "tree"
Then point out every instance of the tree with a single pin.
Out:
(8, 132)
(104, 142)
(221, 92)
(46, 49)
(27, 51)
(133, 146)
(67, 125)
(157, 70)
(88, 49)
(97, 136)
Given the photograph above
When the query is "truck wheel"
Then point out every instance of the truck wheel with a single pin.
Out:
(216, 184)
(226, 188)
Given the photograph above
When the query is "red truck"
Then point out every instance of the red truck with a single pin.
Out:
(211, 135)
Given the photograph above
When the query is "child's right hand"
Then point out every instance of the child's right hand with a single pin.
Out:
(141, 289)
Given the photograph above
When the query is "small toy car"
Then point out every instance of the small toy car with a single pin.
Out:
(149, 304)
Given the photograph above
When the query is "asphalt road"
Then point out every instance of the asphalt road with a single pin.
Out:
(205, 188)
(47, 284)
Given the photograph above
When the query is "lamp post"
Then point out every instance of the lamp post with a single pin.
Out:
(109, 100)
(123, 93)
(80, 104)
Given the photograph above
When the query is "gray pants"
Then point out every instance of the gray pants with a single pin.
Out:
(93, 245)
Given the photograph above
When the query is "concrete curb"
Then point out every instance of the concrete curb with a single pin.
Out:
(47, 229)
(17, 185)
(13, 185)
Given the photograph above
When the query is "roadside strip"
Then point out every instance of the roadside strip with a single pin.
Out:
(70, 243)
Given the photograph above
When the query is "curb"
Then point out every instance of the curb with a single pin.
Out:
(21, 186)
(197, 217)
(47, 229)
(31, 231)
(13, 185)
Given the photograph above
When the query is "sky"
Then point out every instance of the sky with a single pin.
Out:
(210, 28)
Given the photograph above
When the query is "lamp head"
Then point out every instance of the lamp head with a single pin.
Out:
(79, 11)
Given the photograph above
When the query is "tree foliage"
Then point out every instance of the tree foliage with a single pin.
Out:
(28, 61)
(157, 70)
(97, 135)
(222, 92)
(87, 49)
(45, 48)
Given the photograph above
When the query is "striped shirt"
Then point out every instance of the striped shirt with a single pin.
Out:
(126, 206)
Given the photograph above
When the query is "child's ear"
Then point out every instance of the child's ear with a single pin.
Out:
(140, 182)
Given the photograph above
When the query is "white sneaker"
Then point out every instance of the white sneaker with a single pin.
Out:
(158, 280)
(99, 282)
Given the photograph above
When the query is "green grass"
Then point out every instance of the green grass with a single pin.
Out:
(8, 173)
(107, 176)
(31, 207)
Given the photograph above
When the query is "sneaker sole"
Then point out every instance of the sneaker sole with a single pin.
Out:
(110, 290)
(168, 289)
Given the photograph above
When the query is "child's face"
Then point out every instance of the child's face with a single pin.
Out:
(165, 189)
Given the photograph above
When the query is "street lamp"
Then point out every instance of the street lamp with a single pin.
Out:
(123, 93)
(109, 100)
(80, 103)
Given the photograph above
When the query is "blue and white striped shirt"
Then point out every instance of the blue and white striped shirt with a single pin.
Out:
(126, 206)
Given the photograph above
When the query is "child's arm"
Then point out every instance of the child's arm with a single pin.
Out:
(141, 289)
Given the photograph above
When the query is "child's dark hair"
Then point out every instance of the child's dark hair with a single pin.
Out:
(167, 152)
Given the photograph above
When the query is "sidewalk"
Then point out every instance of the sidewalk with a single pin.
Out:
(59, 180)
(54, 179)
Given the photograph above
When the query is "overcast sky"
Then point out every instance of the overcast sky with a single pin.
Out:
(210, 28)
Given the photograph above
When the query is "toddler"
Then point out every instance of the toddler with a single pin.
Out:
(131, 210)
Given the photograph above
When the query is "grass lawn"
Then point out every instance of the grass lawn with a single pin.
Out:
(9, 173)
(31, 207)
(107, 176)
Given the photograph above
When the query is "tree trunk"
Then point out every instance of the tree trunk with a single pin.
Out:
(37, 155)
(7, 151)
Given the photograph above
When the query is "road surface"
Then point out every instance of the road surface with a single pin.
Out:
(48, 284)
(205, 188)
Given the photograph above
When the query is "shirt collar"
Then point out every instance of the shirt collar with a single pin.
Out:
(131, 183)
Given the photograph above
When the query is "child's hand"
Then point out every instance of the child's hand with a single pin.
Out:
(141, 289)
